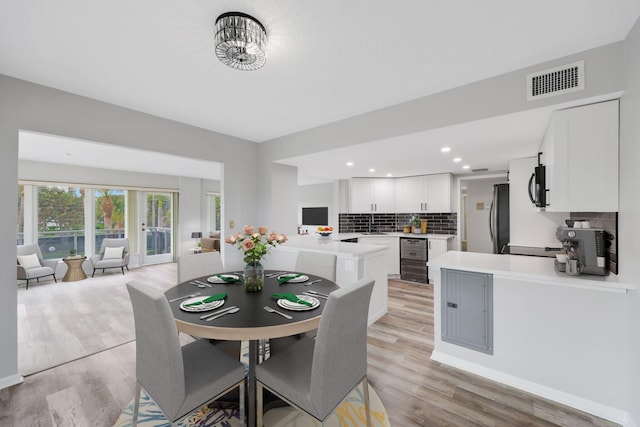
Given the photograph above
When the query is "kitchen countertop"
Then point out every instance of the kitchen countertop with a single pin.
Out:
(342, 236)
(317, 243)
(527, 268)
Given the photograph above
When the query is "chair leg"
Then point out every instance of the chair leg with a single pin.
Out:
(259, 403)
(27, 283)
(127, 267)
(367, 406)
(122, 268)
(94, 272)
(242, 409)
(136, 406)
(54, 278)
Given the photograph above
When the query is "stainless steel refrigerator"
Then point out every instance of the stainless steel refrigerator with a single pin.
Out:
(499, 219)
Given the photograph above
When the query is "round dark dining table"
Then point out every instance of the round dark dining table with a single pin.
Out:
(252, 322)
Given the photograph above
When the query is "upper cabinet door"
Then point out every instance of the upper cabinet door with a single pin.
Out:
(411, 195)
(438, 193)
(383, 191)
(581, 155)
(360, 195)
(373, 195)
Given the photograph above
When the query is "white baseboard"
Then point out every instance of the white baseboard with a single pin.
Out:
(594, 408)
(7, 382)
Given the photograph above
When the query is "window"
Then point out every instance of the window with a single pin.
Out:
(110, 215)
(214, 209)
(60, 221)
(20, 215)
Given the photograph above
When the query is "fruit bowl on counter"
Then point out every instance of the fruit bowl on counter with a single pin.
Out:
(324, 231)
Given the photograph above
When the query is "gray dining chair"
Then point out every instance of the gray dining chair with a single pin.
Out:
(179, 379)
(198, 265)
(316, 375)
(317, 263)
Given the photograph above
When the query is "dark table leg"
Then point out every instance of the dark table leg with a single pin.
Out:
(253, 361)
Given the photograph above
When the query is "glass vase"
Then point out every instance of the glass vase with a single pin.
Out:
(253, 277)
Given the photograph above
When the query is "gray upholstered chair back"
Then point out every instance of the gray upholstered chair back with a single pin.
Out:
(115, 243)
(320, 264)
(198, 265)
(30, 249)
(340, 355)
(159, 363)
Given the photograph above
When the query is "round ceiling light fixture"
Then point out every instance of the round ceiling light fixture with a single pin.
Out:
(240, 41)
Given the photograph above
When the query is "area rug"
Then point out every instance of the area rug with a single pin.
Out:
(349, 414)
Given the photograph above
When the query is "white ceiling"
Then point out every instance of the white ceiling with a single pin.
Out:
(327, 60)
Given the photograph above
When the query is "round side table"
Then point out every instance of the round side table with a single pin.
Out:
(74, 269)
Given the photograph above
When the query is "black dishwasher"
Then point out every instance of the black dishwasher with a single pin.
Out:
(413, 260)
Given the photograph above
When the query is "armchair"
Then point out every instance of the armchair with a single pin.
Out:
(111, 256)
(29, 269)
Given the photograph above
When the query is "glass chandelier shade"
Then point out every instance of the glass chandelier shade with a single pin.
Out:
(240, 41)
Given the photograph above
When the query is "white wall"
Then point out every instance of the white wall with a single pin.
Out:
(30, 107)
(629, 215)
(50, 172)
(528, 226)
(317, 195)
(479, 192)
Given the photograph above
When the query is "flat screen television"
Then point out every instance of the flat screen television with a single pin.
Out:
(315, 216)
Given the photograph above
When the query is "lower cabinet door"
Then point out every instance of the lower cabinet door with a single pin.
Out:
(467, 309)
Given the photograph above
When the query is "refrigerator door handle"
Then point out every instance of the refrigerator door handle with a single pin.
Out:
(491, 220)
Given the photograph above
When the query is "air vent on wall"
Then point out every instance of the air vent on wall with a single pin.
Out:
(555, 81)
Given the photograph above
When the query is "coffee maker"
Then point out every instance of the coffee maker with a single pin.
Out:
(585, 249)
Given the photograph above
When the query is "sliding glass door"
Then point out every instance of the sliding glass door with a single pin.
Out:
(156, 227)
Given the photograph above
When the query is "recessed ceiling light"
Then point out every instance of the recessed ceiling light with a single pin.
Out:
(466, 167)
(389, 174)
(457, 159)
(349, 163)
(445, 149)
(372, 170)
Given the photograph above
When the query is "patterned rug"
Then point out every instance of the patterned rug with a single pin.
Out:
(349, 414)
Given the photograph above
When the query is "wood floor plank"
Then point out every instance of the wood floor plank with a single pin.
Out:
(416, 391)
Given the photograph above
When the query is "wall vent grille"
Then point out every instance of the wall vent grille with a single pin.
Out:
(555, 81)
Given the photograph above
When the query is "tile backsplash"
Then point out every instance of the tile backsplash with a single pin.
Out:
(437, 223)
(609, 222)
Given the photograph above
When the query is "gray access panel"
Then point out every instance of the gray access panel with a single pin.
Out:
(467, 309)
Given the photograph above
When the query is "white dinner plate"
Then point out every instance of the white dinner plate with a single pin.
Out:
(299, 279)
(200, 307)
(216, 279)
(289, 305)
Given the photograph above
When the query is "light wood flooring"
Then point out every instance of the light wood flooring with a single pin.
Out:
(92, 390)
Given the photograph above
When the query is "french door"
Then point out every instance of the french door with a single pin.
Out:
(156, 227)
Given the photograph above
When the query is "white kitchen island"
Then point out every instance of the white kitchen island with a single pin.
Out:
(561, 337)
(355, 261)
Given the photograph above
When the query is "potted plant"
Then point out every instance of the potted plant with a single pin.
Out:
(415, 223)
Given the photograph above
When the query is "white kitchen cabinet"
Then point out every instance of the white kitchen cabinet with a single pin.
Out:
(580, 152)
(435, 248)
(392, 244)
(425, 193)
(373, 195)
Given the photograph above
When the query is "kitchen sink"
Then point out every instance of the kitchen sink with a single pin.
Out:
(374, 233)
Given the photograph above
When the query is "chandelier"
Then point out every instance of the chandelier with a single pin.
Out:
(240, 41)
